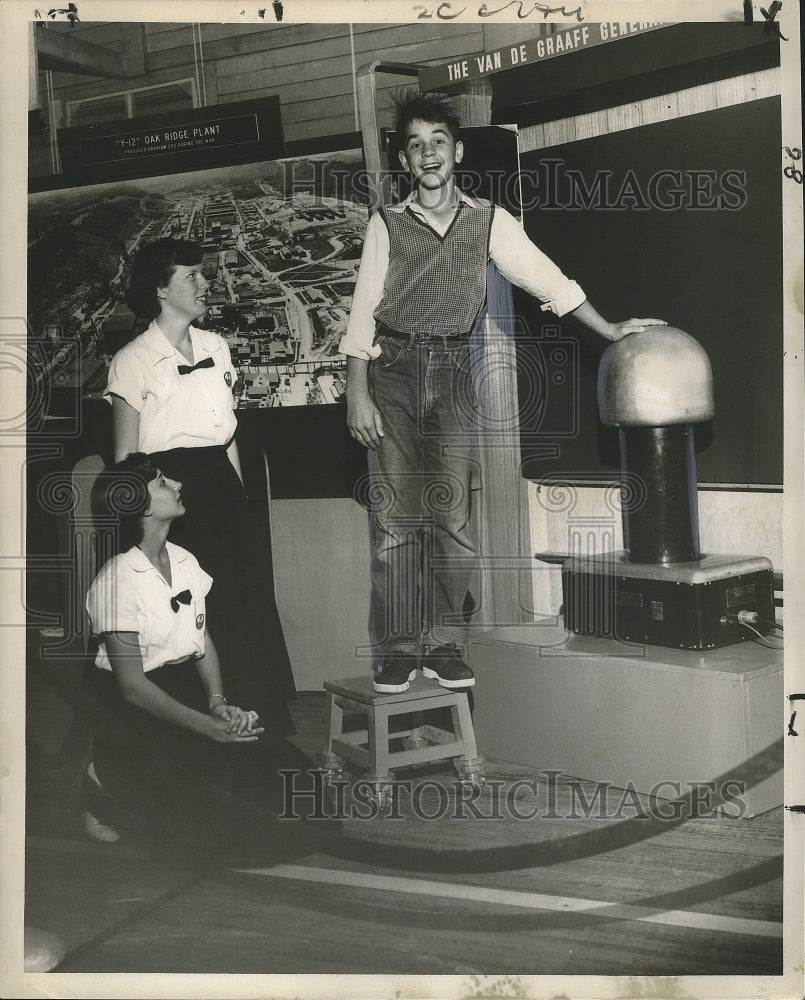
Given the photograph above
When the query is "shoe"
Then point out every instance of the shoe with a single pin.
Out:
(100, 831)
(96, 798)
(399, 669)
(445, 665)
(92, 776)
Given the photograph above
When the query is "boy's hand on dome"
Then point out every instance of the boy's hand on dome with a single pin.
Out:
(628, 326)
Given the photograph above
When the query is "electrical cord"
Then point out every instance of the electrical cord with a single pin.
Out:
(761, 637)
(776, 625)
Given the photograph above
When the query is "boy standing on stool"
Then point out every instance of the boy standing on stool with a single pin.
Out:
(410, 398)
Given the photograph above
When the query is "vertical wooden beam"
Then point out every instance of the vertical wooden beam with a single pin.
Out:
(378, 178)
(501, 513)
(474, 102)
(33, 69)
(211, 83)
(367, 113)
(132, 48)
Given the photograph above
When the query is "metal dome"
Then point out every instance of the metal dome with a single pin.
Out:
(655, 379)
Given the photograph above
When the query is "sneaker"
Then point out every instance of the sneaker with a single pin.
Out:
(445, 665)
(399, 669)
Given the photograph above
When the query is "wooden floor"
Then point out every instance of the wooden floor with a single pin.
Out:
(472, 891)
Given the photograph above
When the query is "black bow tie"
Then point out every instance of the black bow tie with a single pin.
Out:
(206, 363)
(184, 598)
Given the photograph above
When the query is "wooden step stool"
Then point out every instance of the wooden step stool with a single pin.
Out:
(370, 748)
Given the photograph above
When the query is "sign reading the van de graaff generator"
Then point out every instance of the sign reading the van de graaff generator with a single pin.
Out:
(173, 142)
(534, 50)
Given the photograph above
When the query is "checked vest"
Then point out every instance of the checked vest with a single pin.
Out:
(436, 284)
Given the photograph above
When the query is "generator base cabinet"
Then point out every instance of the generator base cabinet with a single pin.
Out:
(686, 605)
(643, 717)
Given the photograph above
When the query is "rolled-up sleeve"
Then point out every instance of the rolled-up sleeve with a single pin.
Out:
(202, 582)
(526, 266)
(110, 603)
(125, 379)
(358, 341)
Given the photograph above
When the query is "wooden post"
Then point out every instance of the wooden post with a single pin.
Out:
(501, 513)
(474, 102)
(132, 48)
(33, 69)
(377, 177)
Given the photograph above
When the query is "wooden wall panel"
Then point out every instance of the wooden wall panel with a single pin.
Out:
(105, 33)
(315, 91)
(294, 60)
(708, 97)
(233, 47)
(305, 83)
(165, 37)
(92, 87)
(310, 67)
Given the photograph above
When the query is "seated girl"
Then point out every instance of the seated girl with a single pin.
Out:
(179, 765)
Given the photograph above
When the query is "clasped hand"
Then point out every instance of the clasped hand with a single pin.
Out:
(240, 725)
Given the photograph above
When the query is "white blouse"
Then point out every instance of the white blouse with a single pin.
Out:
(194, 410)
(131, 595)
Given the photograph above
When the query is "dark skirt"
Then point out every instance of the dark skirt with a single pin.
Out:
(229, 535)
(188, 796)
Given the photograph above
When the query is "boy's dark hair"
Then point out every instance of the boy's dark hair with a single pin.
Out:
(410, 105)
(153, 268)
(120, 497)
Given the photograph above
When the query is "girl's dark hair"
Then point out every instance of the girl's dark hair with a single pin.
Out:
(409, 105)
(153, 268)
(120, 497)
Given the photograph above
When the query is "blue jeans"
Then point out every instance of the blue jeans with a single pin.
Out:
(424, 550)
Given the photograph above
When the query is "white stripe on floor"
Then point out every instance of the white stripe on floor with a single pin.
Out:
(525, 900)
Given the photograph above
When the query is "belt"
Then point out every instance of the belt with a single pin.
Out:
(422, 338)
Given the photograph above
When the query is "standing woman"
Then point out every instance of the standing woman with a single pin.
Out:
(171, 396)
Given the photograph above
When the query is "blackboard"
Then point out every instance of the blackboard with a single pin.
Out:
(680, 220)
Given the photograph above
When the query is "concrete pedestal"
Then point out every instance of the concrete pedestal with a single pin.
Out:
(633, 716)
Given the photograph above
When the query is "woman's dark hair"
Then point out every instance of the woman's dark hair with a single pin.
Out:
(153, 268)
(120, 497)
(409, 105)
